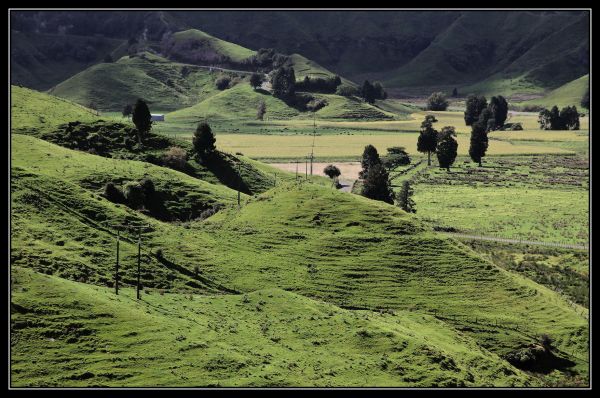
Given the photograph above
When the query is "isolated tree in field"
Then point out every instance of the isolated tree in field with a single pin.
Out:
(204, 140)
(142, 119)
(474, 106)
(405, 201)
(479, 142)
(427, 141)
(376, 184)
(256, 80)
(261, 110)
(332, 171)
(370, 157)
(127, 110)
(283, 83)
(455, 92)
(585, 101)
(499, 108)
(437, 102)
(569, 118)
(447, 147)
(367, 92)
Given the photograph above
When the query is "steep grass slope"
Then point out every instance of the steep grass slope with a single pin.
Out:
(265, 338)
(206, 47)
(566, 95)
(166, 85)
(34, 111)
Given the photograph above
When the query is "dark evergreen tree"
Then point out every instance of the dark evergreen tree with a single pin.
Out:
(204, 140)
(256, 80)
(283, 83)
(370, 157)
(499, 109)
(455, 92)
(479, 142)
(569, 118)
(474, 106)
(368, 92)
(376, 184)
(427, 141)
(405, 201)
(142, 119)
(447, 147)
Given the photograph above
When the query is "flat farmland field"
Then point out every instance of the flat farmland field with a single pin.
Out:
(542, 198)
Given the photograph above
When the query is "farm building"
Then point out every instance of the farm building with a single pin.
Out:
(157, 118)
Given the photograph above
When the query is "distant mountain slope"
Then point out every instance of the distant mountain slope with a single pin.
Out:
(41, 60)
(544, 49)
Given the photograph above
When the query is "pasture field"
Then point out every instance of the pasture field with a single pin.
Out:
(338, 139)
(543, 198)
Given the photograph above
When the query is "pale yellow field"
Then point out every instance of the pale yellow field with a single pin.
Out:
(298, 146)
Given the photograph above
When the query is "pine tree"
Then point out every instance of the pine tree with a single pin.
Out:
(479, 142)
(370, 157)
(376, 184)
(447, 147)
(405, 201)
(142, 119)
(427, 141)
(474, 106)
(204, 140)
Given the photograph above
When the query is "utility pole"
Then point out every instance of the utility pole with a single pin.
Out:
(274, 179)
(306, 167)
(296, 170)
(117, 265)
(239, 183)
(138, 260)
(312, 150)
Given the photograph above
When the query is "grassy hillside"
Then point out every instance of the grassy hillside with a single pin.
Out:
(166, 85)
(566, 95)
(203, 42)
(265, 338)
(332, 246)
(34, 111)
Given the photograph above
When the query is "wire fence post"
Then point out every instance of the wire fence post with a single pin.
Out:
(117, 265)
(138, 260)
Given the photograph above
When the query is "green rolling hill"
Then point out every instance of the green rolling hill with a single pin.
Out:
(166, 85)
(333, 247)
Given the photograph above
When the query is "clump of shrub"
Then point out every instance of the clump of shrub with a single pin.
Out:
(113, 193)
(175, 158)
(512, 127)
(347, 91)
(134, 194)
(396, 156)
(222, 83)
(315, 104)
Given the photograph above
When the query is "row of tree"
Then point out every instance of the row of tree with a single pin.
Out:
(566, 119)
(442, 143)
